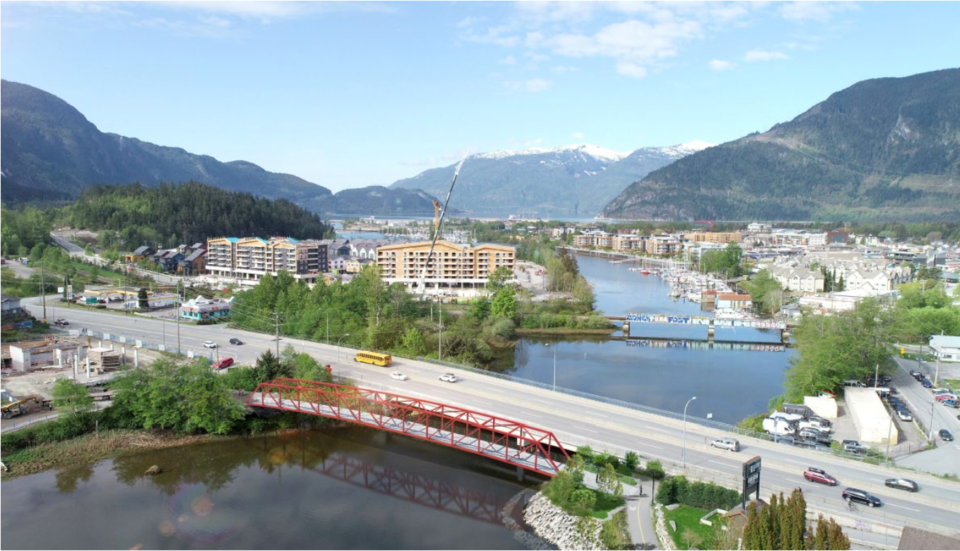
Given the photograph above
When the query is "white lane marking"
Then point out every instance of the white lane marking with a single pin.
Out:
(658, 430)
(807, 484)
(534, 415)
(598, 414)
(902, 507)
(585, 428)
(721, 463)
(649, 445)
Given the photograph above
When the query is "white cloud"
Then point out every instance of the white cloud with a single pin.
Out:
(509, 60)
(208, 26)
(817, 11)
(536, 57)
(278, 10)
(532, 85)
(495, 35)
(578, 135)
(631, 69)
(764, 55)
(563, 69)
(721, 65)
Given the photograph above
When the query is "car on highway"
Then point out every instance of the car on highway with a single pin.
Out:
(209, 344)
(904, 415)
(926, 383)
(902, 484)
(396, 375)
(945, 435)
(223, 364)
(951, 403)
(448, 378)
(61, 322)
(729, 444)
(819, 476)
(859, 496)
(236, 341)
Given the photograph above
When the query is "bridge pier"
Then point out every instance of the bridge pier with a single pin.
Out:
(520, 473)
(711, 331)
(626, 328)
(785, 336)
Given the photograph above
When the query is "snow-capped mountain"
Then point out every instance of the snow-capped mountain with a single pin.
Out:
(573, 181)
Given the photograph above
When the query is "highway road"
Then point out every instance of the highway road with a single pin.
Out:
(921, 403)
(577, 421)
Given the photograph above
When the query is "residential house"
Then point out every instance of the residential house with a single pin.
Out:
(946, 348)
(140, 253)
(11, 308)
(194, 264)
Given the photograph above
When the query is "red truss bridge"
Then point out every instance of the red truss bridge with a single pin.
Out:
(455, 427)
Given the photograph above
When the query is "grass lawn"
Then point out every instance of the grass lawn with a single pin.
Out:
(688, 519)
(604, 504)
(952, 383)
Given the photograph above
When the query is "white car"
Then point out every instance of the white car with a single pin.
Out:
(448, 377)
(904, 415)
(209, 344)
(398, 376)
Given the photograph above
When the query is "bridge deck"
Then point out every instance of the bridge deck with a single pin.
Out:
(533, 461)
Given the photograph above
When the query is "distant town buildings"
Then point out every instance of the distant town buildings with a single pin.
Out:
(200, 308)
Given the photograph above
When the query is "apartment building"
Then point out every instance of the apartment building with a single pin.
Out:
(250, 258)
(714, 237)
(595, 238)
(662, 245)
(452, 265)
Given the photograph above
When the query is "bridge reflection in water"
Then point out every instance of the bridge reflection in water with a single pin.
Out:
(400, 484)
(482, 434)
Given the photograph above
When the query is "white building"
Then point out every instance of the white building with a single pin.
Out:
(946, 348)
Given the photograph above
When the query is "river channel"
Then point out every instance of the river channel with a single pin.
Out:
(730, 381)
(337, 488)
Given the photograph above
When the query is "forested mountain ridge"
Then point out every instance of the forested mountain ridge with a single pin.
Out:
(51, 152)
(886, 148)
(168, 215)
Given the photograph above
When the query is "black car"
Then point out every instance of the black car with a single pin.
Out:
(902, 484)
(236, 341)
(945, 435)
(859, 496)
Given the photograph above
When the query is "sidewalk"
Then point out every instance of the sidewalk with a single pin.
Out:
(639, 510)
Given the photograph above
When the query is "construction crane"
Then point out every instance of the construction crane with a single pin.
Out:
(439, 223)
(436, 214)
(706, 222)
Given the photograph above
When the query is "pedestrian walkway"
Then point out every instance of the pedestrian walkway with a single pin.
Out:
(639, 510)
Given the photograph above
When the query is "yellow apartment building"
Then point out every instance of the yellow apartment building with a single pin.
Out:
(452, 265)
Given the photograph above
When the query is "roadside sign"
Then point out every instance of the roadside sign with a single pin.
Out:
(751, 479)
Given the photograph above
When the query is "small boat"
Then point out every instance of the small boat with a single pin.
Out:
(645, 272)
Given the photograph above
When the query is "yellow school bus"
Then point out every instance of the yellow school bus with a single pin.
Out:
(375, 358)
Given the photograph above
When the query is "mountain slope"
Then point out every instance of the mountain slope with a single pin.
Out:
(51, 151)
(49, 145)
(573, 181)
(884, 148)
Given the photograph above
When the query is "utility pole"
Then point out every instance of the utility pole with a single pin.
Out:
(276, 317)
(43, 293)
(179, 304)
(440, 315)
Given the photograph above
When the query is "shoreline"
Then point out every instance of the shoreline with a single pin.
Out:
(566, 331)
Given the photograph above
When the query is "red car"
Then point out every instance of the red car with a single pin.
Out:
(814, 474)
(945, 397)
(223, 364)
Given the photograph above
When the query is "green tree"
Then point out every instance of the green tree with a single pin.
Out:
(143, 301)
(479, 309)
(765, 291)
(71, 398)
(413, 342)
(269, 367)
(499, 278)
(504, 303)
(631, 460)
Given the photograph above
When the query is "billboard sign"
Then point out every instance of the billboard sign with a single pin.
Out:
(751, 478)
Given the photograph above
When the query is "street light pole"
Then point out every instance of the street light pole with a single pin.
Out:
(683, 452)
(555, 367)
(338, 345)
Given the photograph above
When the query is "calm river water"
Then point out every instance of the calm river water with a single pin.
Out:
(340, 488)
(728, 381)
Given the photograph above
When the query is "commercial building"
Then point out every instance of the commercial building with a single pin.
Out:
(201, 308)
(734, 301)
(452, 265)
(251, 258)
(946, 348)
(45, 353)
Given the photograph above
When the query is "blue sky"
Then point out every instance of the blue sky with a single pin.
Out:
(347, 95)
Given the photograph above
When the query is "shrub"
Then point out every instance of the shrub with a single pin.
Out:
(655, 470)
(586, 452)
(631, 460)
(606, 458)
(703, 495)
